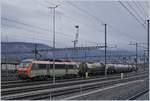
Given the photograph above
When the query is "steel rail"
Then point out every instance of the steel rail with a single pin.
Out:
(134, 97)
(65, 89)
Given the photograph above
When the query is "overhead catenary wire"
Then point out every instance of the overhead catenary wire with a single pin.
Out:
(98, 19)
(73, 19)
(86, 12)
(32, 26)
(124, 6)
(124, 33)
(30, 38)
(24, 34)
(142, 19)
(139, 3)
(43, 29)
(140, 10)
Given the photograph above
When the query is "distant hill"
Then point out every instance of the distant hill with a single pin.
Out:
(23, 50)
(19, 50)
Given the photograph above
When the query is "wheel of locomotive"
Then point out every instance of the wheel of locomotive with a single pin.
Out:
(19, 78)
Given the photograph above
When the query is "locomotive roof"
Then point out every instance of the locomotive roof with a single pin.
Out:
(51, 62)
(27, 60)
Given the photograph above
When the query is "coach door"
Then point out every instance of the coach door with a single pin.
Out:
(49, 69)
(66, 68)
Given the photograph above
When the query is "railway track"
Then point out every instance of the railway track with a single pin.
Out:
(134, 97)
(20, 83)
(9, 75)
(6, 79)
(43, 91)
(51, 85)
(57, 80)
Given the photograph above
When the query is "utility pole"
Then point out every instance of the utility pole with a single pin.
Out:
(85, 56)
(6, 56)
(35, 52)
(144, 59)
(148, 43)
(136, 60)
(136, 44)
(105, 48)
(53, 8)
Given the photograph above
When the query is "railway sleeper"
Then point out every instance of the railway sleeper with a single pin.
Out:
(45, 86)
(64, 89)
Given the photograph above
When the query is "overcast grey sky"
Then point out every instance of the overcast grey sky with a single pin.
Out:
(31, 21)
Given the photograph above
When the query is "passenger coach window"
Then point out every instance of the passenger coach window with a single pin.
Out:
(70, 66)
(42, 66)
(35, 67)
(60, 66)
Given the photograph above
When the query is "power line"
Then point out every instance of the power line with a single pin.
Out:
(140, 10)
(36, 27)
(73, 20)
(29, 37)
(146, 12)
(135, 11)
(86, 12)
(76, 20)
(131, 14)
(97, 19)
(32, 26)
(24, 34)
(25, 24)
(124, 33)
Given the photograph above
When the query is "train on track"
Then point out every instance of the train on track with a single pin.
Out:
(43, 69)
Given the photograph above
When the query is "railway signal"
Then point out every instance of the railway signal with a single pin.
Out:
(148, 42)
(105, 48)
(35, 51)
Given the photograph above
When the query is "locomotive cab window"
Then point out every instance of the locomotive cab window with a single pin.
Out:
(24, 64)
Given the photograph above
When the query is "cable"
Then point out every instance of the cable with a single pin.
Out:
(31, 38)
(132, 14)
(140, 10)
(135, 12)
(86, 12)
(31, 26)
(28, 35)
(101, 20)
(97, 19)
(73, 20)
